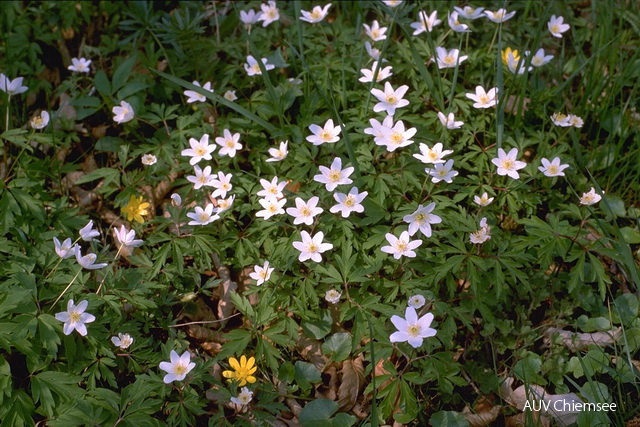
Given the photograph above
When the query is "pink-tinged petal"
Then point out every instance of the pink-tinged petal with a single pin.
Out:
(429, 332)
(63, 316)
(415, 342)
(82, 329)
(174, 357)
(416, 243)
(325, 247)
(388, 250)
(425, 321)
(87, 318)
(185, 358)
(316, 257)
(315, 129)
(411, 316)
(399, 322)
(391, 238)
(68, 328)
(399, 337)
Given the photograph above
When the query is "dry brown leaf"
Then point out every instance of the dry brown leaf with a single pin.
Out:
(352, 382)
(328, 389)
(576, 341)
(634, 422)
(311, 351)
(483, 416)
(513, 105)
(225, 306)
(484, 413)
(521, 420)
(524, 397)
(292, 186)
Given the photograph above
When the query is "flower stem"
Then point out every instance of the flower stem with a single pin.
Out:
(107, 273)
(67, 288)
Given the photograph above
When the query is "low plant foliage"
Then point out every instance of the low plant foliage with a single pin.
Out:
(358, 213)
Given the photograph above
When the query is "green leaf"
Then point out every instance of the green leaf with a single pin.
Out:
(102, 83)
(527, 369)
(448, 419)
(108, 174)
(318, 328)
(318, 412)
(631, 235)
(122, 73)
(47, 332)
(219, 99)
(613, 205)
(627, 308)
(306, 373)
(338, 346)
(64, 385)
(109, 143)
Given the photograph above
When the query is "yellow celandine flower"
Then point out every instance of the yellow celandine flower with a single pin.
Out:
(242, 371)
(505, 56)
(136, 209)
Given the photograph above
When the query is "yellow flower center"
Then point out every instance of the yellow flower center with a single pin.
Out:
(484, 99)
(74, 317)
(203, 217)
(421, 218)
(401, 246)
(552, 169)
(305, 211)
(350, 201)
(179, 369)
(499, 14)
(312, 248)
(432, 155)
(397, 138)
(271, 14)
(273, 208)
(200, 151)
(414, 330)
(375, 34)
(231, 144)
(326, 136)
(316, 14)
(391, 99)
(507, 164)
(256, 69)
(334, 176)
(449, 60)
(555, 28)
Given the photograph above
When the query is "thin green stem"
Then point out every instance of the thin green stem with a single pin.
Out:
(66, 289)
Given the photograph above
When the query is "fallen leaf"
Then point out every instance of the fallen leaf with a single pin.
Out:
(484, 413)
(524, 397)
(352, 382)
(576, 341)
(311, 350)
